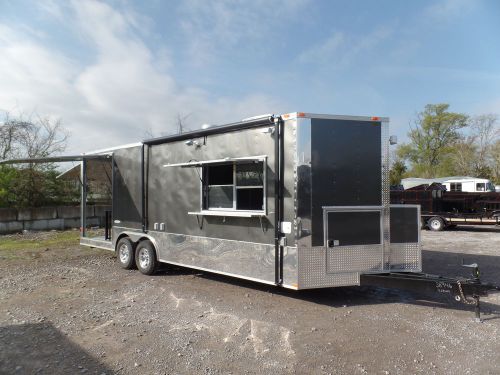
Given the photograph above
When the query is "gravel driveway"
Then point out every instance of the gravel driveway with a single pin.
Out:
(67, 310)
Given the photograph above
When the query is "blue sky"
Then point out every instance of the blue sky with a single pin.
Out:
(116, 71)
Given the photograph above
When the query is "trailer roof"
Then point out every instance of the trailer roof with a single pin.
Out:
(292, 115)
(254, 122)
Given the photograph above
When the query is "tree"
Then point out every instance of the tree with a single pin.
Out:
(463, 158)
(181, 122)
(396, 172)
(432, 139)
(495, 162)
(473, 154)
(31, 137)
(33, 184)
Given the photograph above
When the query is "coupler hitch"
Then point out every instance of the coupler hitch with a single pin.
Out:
(467, 291)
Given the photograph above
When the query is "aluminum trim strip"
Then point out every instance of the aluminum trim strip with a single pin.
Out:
(138, 232)
(293, 115)
(234, 213)
(217, 161)
(101, 244)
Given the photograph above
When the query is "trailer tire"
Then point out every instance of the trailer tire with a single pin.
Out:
(125, 253)
(145, 258)
(436, 224)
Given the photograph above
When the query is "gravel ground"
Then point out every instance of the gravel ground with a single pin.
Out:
(69, 311)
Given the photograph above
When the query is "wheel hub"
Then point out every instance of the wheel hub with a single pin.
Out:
(124, 253)
(144, 258)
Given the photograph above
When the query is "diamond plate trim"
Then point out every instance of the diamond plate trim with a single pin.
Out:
(360, 258)
(406, 257)
(386, 197)
(312, 269)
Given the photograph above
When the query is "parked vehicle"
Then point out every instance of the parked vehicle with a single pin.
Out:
(442, 209)
(454, 184)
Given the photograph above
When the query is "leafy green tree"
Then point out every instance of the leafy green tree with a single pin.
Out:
(396, 172)
(432, 139)
(8, 177)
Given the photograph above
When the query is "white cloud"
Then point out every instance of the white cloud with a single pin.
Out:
(445, 10)
(125, 91)
(340, 49)
(212, 26)
(330, 48)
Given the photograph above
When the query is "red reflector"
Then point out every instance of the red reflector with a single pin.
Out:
(301, 114)
(375, 118)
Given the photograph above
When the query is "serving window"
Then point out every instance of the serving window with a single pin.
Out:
(230, 186)
(234, 186)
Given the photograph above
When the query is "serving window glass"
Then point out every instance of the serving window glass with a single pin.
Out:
(234, 186)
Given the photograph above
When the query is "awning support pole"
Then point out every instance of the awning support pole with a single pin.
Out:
(83, 203)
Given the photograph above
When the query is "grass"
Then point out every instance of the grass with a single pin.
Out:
(32, 245)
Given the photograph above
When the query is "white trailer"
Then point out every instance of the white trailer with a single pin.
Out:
(463, 184)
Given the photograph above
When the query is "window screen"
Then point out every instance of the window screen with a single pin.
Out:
(220, 196)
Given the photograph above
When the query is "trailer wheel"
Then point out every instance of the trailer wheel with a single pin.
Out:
(436, 223)
(145, 258)
(125, 253)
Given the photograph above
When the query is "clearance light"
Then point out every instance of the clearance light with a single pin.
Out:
(301, 114)
(375, 118)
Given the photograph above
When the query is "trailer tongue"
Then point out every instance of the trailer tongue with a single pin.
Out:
(467, 291)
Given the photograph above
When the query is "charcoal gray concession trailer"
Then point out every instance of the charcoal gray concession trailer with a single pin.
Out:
(299, 200)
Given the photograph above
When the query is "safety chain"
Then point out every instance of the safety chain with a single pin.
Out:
(465, 300)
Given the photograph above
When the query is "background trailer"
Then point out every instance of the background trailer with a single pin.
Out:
(300, 200)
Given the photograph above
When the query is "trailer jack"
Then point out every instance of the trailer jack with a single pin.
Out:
(467, 291)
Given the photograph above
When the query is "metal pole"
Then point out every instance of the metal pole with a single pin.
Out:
(143, 193)
(278, 199)
(477, 309)
(83, 203)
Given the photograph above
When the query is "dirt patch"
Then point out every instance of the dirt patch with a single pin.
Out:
(72, 310)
